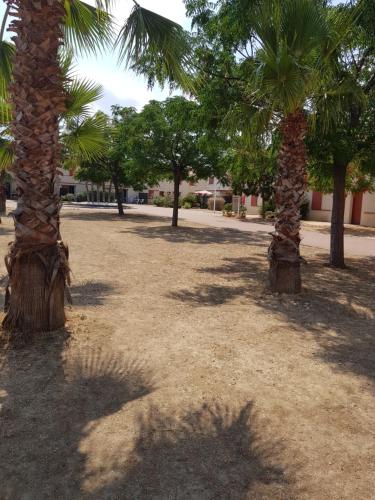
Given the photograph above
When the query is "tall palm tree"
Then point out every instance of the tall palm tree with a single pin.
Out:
(294, 43)
(37, 262)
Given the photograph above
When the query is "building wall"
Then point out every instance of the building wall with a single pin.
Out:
(324, 213)
(368, 210)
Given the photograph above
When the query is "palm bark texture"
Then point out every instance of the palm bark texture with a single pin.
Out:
(37, 262)
(290, 187)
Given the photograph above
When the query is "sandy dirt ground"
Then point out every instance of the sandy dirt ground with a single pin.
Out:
(180, 377)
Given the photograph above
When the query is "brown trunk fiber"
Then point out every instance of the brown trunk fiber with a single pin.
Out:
(336, 257)
(176, 187)
(119, 199)
(283, 254)
(37, 262)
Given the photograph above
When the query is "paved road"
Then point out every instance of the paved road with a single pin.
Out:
(355, 245)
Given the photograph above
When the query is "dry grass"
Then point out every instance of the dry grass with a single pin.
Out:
(182, 378)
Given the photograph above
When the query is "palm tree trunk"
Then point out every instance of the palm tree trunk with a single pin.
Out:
(336, 257)
(37, 262)
(284, 255)
(118, 198)
(176, 187)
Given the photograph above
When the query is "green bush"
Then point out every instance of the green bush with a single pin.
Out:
(158, 201)
(187, 204)
(68, 197)
(81, 197)
(162, 201)
(267, 206)
(242, 211)
(219, 204)
(190, 198)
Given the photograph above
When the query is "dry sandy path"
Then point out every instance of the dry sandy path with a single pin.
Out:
(184, 379)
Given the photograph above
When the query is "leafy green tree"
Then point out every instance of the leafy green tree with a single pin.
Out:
(38, 260)
(251, 168)
(170, 143)
(342, 145)
(115, 164)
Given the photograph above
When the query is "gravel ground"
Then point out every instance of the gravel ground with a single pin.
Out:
(180, 377)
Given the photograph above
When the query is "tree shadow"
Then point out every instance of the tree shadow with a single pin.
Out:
(110, 215)
(90, 293)
(47, 401)
(209, 453)
(200, 235)
(336, 306)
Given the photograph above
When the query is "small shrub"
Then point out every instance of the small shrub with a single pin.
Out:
(242, 211)
(190, 198)
(219, 204)
(267, 206)
(186, 204)
(228, 209)
(68, 197)
(158, 201)
(162, 201)
(168, 202)
(81, 197)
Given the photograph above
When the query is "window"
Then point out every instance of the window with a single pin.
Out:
(161, 193)
(254, 201)
(211, 180)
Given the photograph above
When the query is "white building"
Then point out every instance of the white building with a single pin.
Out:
(359, 208)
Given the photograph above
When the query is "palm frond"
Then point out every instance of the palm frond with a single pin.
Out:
(5, 113)
(149, 42)
(81, 93)
(6, 154)
(84, 140)
(6, 54)
(86, 29)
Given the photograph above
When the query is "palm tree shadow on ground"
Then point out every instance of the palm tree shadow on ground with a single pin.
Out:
(46, 403)
(336, 306)
(209, 453)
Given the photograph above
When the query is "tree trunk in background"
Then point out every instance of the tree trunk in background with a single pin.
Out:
(290, 187)
(336, 257)
(176, 187)
(118, 198)
(87, 192)
(37, 262)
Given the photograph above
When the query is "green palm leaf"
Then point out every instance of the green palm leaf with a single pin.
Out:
(87, 29)
(6, 53)
(81, 94)
(6, 154)
(84, 140)
(151, 43)
(5, 113)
